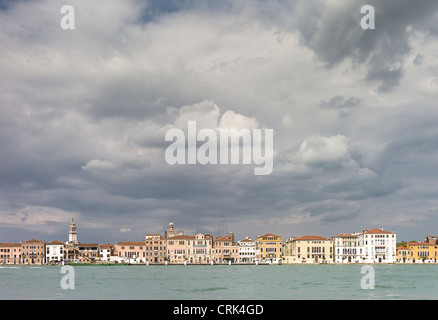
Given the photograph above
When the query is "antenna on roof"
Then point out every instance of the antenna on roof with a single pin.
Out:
(222, 229)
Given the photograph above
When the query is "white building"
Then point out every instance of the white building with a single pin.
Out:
(105, 252)
(346, 248)
(247, 251)
(199, 250)
(55, 252)
(377, 246)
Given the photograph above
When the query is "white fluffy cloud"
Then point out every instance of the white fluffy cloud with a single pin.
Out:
(317, 150)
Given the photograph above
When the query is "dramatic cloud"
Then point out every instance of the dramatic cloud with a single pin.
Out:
(84, 114)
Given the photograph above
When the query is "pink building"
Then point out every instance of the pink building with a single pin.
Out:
(10, 253)
(131, 251)
(33, 252)
(225, 249)
(177, 248)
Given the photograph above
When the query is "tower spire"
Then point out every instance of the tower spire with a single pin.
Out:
(72, 232)
(171, 229)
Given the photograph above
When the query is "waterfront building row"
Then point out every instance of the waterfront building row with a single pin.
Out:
(369, 246)
(38, 252)
(418, 252)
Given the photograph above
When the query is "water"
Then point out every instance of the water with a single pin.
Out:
(262, 282)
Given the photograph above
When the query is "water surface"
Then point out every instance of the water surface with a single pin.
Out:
(220, 282)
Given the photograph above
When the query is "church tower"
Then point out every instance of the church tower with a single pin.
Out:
(72, 233)
(171, 229)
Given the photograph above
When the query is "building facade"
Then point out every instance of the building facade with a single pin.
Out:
(33, 252)
(55, 252)
(346, 248)
(156, 249)
(377, 246)
(431, 239)
(247, 250)
(131, 251)
(199, 249)
(309, 249)
(10, 253)
(403, 255)
(270, 248)
(225, 250)
(177, 248)
(106, 252)
(88, 252)
(422, 252)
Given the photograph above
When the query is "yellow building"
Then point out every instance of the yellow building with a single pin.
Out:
(269, 248)
(403, 255)
(309, 249)
(423, 252)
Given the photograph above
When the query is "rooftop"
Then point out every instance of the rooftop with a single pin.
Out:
(269, 235)
(309, 237)
(345, 235)
(376, 231)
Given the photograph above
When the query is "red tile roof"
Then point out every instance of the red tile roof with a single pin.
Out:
(56, 242)
(345, 235)
(307, 237)
(34, 241)
(421, 244)
(106, 246)
(181, 237)
(10, 244)
(131, 243)
(268, 235)
(226, 238)
(376, 231)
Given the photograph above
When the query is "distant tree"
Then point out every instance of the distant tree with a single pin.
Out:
(401, 244)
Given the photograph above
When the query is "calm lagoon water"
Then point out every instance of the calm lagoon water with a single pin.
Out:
(238, 282)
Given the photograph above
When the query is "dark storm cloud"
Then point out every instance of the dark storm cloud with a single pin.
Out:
(333, 32)
(341, 105)
(6, 4)
(154, 9)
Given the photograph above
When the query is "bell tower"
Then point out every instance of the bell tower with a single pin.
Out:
(72, 233)
(171, 229)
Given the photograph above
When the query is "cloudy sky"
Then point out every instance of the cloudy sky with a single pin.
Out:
(84, 113)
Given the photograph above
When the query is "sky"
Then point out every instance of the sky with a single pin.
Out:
(84, 113)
